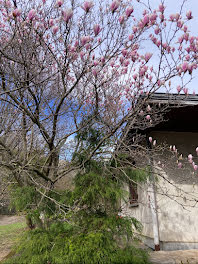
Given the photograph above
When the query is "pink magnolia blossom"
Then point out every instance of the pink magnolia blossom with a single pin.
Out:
(185, 28)
(189, 15)
(95, 73)
(184, 66)
(67, 15)
(178, 88)
(159, 82)
(153, 17)
(161, 16)
(154, 143)
(186, 36)
(190, 156)
(150, 139)
(195, 167)
(197, 150)
(124, 52)
(32, 14)
(87, 5)
(174, 148)
(135, 76)
(55, 29)
(114, 6)
(147, 56)
(145, 20)
(161, 8)
(179, 165)
(129, 11)
(84, 40)
(59, 3)
(121, 19)
(96, 29)
(148, 117)
(131, 37)
(135, 29)
(16, 12)
(185, 90)
(180, 23)
(51, 22)
(157, 30)
(149, 108)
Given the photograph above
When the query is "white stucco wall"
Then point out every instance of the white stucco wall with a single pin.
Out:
(177, 192)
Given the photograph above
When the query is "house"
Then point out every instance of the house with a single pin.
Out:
(167, 205)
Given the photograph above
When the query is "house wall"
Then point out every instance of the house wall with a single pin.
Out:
(176, 194)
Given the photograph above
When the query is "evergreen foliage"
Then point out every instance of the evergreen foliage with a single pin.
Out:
(93, 231)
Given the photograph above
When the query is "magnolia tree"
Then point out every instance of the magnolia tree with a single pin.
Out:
(69, 66)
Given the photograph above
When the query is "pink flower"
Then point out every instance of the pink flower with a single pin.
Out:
(131, 37)
(84, 40)
(154, 142)
(135, 29)
(148, 117)
(32, 14)
(172, 17)
(124, 52)
(150, 139)
(190, 156)
(189, 15)
(195, 167)
(129, 11)
(16, 12)
(184, 66)
(174, 148)
(135, 76)
(67, 15)
(149, 108)
(55, 29)
(161, 8)
(121, 19)
(147, 56)
(159, 82)
(114, 6)
(178, 88)
(185, 90)
(96, 29)
(157, 30)
(197, 150)
(153, 17)
(94, 71)
(59, 3)
(179, 165)
(51, 22)
(145, 20)
(87, 6)
(180, 23)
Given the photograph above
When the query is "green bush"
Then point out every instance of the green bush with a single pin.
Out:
(65, 244)
(91, 230)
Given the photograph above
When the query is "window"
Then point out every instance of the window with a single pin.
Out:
(133, 194)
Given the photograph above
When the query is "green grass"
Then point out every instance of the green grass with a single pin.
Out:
(9, 234)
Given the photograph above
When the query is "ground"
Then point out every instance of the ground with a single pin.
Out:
(174, 257)
(12, 226)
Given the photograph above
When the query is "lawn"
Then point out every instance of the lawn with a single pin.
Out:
(9, 234)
